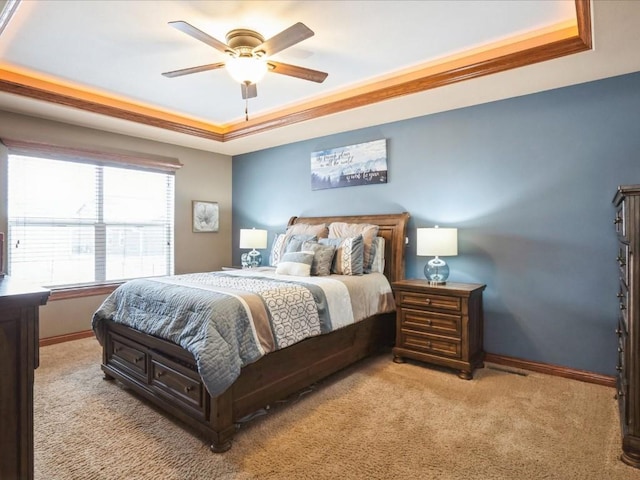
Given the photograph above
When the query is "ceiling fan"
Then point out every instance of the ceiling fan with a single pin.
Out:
(250, 55)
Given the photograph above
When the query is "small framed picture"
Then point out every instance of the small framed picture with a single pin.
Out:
(205, 216)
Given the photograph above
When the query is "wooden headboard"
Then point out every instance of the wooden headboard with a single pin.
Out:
(393, 227)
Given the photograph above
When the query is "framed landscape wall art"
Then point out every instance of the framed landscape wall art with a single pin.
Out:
(361, 164)
(205, 216)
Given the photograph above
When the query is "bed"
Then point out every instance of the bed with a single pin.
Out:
(167, 374)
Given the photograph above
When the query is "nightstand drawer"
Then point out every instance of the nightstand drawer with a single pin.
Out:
(429, 300)
(428, 321)
(434, 345)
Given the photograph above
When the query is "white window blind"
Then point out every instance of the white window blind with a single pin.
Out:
(75, 223)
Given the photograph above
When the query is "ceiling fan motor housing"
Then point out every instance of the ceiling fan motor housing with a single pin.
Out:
(243, 41)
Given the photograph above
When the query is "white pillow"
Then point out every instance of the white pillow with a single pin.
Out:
(378, 259)
(295, 263)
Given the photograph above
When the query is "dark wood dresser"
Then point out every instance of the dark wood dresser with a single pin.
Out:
(440, 324)
(627, 223)
(18, 359)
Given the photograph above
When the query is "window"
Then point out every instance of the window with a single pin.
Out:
(79, 222)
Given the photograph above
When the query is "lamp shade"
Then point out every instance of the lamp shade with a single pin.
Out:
(246, 69)
(432, 242)
(252, 238)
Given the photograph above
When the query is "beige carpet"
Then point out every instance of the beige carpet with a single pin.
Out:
(377, 420)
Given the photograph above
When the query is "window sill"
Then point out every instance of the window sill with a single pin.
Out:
(65, 293)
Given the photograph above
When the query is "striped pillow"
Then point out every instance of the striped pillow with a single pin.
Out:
(295, 263)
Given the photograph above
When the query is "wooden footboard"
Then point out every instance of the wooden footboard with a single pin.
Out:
(165, 374)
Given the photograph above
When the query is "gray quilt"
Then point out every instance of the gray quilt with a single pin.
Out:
(225, 321)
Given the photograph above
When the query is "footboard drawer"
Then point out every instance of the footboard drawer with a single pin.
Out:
(127, 355)
(180, 383)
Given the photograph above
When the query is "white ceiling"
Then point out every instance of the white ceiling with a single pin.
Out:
(120, 48)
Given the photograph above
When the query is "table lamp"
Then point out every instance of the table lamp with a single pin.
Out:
(252, 238)
(437, 242)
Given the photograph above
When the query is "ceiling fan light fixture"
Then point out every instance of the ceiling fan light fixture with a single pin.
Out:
(246, 69)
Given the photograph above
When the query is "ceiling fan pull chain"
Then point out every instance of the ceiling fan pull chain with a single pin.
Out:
(246, 109)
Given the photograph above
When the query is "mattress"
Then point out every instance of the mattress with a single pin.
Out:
(230, 319)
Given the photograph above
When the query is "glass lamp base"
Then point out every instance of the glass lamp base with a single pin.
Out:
(436, 271)
(251, 259)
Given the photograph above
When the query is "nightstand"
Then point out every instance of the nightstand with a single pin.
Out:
(441, 324)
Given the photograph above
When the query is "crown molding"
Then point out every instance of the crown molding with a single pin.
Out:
(518, 52)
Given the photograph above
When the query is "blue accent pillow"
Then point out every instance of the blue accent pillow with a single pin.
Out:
(294, 242)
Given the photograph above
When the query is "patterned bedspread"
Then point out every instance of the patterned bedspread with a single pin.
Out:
(227, 320)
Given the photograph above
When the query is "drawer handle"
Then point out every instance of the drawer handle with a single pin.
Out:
(160, 373)
(137, 360)
(620, 350)
(620, 393)
(618, 368)
(618, 331)
(188, 389)
(428, 301)
(619, 295)
(617, 220)
(623, 306)
(621, 260)
(429, 323)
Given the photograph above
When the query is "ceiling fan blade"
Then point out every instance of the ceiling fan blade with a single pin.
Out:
(298, 72)
(200, 35)
(249, 91)
(292, 35)
(187, 71)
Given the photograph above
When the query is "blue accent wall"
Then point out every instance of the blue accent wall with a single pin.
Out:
(528, 182)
